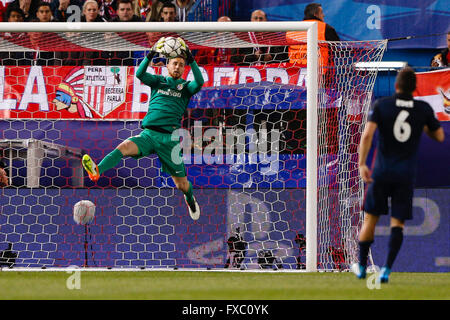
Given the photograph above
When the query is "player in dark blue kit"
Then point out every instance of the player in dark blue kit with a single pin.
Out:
(400, 121)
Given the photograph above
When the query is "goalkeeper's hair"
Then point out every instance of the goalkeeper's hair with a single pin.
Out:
(406, 80)
(182, 56)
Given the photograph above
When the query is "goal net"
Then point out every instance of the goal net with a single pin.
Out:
(65, 94)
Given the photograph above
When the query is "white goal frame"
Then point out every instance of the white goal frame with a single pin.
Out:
(268, 26)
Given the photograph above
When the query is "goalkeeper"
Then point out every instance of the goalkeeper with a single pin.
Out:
(169, 99)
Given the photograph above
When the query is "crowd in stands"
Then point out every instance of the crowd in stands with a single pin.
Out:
(73, 10)
(118, 11)
(84, 11)
(148, 11)
(290, 122)
(152, 11)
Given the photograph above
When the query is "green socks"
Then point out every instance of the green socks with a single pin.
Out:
(110, 161)
(190, 195)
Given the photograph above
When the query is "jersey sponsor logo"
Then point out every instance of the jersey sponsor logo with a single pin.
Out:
(404, 103)
(170, 92)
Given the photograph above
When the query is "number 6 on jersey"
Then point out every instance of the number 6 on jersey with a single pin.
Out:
(402, 129)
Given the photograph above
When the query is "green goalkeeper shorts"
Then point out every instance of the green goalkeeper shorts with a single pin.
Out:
(168, 151)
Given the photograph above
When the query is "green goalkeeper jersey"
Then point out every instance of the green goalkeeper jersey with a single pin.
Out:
(169, 97)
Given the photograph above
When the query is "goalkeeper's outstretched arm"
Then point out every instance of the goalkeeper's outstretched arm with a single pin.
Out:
(196, 85)
(142, 74)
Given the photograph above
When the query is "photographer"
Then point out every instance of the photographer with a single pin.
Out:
(4, 181)
(301, 241)
(237, 249)
(267, 260)
(8, 257)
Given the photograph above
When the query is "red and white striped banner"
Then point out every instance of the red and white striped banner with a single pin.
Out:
(434, 88)
(101, 92)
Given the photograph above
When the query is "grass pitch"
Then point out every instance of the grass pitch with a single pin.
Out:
(187, 285)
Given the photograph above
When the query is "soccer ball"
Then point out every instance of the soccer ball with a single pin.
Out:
(83, 212)
(172, 47)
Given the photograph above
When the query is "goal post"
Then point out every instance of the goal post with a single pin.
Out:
(139, 220)
(311, 141)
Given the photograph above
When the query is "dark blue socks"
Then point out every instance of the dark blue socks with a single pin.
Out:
(395, 242)
(364, 247)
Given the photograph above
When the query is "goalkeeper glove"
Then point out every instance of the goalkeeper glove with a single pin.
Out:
(157, 48)
(187, 52)
(189, 56)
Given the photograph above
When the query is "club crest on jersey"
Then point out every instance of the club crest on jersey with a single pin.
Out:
(99, 89)
(180, 86)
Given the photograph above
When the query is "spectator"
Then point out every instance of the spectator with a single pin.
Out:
(138, 5)
(69, 11)
(442, 59)
(14, 14)
(264, 118)
(44, 12)
(43, 39)
(142, 8)
(148, 10)
(29, 7)
(182, 9)
(297, 52)
(66, 10)
(215, 56)
(124, 13)
(107, 9)
(39, 39)
(91, 12)
(168, 12)
(297, 55)
(259, 55)
(12, 58)
(2, 11)
(258, 16)
(154, 15)
(224, 19)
